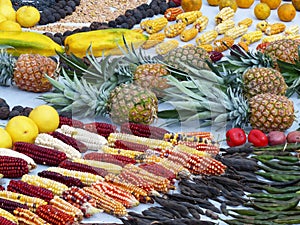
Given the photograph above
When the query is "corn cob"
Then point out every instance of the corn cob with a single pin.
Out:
(206, 47)
(143, 130)
(68, 181)
(5, 221)
(188, 17)
(139, 30)
(63, 120)
(2, 188)
(122, 152)
(46, 140)
(8, 152)
(262, 25)
(243, 45)
(165, 47)
(10, 205)
(8, 216)
(252, 36)
(108, 204)
(174, 30)
(24, 188)
(26, 217)
(158, 170)
(236, 32)
(199, 137)
(206, 37)
(56, 187)
(246, 22)
(153, 40)
(41, 155)
(293, 36)
(224, 14)
(67, 208)
(155, 25)
(81, 147)
(201, 23)
(101, 128)
(109, 158)
(117, 193)
(129, 146)
(190, 150)
(86, 178)
(292, 29)
(53, 215)
(223, 44)
(171, 13)
(188, 34)
(221, 28)
(31, 202)
(275, 28)
(12, 167)
(272, 38)
(146, 158)
(109, 167)
(92, 140)
(212, 149)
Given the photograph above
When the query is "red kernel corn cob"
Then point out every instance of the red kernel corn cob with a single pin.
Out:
(8, 216)
(109, 158)
(26, 217)
(158, 170)
(12, 167)
(9, 152)
(63, 120)
(134, 179)
(212, 149)
(53, 215)
(103, 129)
(127, 145)
(22, 187)
(2, 188)
(4, 221)
(10, 205)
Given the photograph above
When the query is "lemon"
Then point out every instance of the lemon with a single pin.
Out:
(46, 118)
(262, 11)
(8, 25)
(9, 12)
(5, 2)
(5, 140)
(28, 16)
(22, 128)
(2, 18)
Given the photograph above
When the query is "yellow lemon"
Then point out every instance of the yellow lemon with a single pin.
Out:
(28, 16)
(9, 12)
(46, 118)
(8, 25)
(5, 140)
(5, 2)
(262, 11)
(2, 18)
(22, 128)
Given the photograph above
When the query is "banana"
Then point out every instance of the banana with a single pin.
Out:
(103, 42)
(29, 42)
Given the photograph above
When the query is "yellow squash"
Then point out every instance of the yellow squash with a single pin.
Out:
(29, 42)
(103, 42)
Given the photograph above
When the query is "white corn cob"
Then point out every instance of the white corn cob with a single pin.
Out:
(8, 152)
(224, 14)
(273, 37)
(221, 28)
(293, 29)
(112, 168)
(236, 32)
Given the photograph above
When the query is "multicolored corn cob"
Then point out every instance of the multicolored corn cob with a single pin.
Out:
(101, 128)
(8, 216)
(212, 149)
(159, 170)
(5, 221)
(166, 46)
(10, 205)
(109, 158)
(9, 152)
(121, 152)
(171, 13)
(53, 215)
(63, 120)
(199, 137)
(109, 167)
(127, 145)
(12, 167)
(26, 217)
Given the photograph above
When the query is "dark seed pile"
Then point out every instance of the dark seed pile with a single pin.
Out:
(18, 110)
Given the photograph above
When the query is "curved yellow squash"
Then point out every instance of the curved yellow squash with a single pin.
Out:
(103, 42)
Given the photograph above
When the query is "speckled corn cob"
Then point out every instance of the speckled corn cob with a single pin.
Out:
(8, 216)
(155, 25)
(26, 217)
(252, 36)
(223, 44)
(174, 30)
(236, 32)
(275, 28)
(153, 40)
(272, 38)
(53, 215)
(221, 28)
(292, 29)
(167, 46)
(199, 137)
(206, 37)
(225, 14)
(188, 17)
(188, 34)
(246, 22)
(201, 23)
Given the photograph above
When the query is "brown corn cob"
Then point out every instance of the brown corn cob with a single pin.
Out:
(110, 158)
(171, 13)
(143, 130)
(41, 155)
(174, 30)
(67, 164)
(158, 170)
(223, 44)
(22, 187)
(188, 34)
(70, 122)
(10, 205)
(246, 22)
(155, 25)
(101, 128)
(275, 28)
(106, 203)
(4, 221)
(188, 17)
(68, 181)
(8, 216)
(226, 13)
(81, 147)
(53, 215)
(12, 167)
(252, 37)
(26, 217)
(153, 40)
(166, 46)
(127, 145)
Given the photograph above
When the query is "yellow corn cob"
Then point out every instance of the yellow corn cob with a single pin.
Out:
(188, 17)
(293, 29)
(27, 217)
(8, 152)
(188, 34)
(275, 28)
(117, 151)
(252, 37)
(293, 36)
(31, 202)
(175, 167)
(201, 23)
(223, 44)
(207, 47)
(174, 30)
(272, 38)
(246, 22)
(8, 216)
(112, 168)
(262, 25)
(190, 150)
(143, 24)
(153, 40)
(167, 46)
(223, 27)
(244, 45)
(224, 14)
(155, 25)
(236, 32)
(206, 37)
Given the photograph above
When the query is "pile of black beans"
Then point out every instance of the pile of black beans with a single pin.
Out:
(18, 110)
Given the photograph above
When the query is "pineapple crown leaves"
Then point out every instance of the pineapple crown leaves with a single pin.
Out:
(7, 63)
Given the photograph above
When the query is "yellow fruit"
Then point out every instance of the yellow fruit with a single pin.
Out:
(213, 2)
(273, 4)
(8, 12)
(228, 3)
(22, 128)
(5, 2)
(244, 3)
(28, 16)
(286, 12)
(262, 11)
(2, 18)
(8, 25)
(5, 140)
(46, 118)
(296, 4)
(191, 5)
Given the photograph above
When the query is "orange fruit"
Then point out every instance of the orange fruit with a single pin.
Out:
(273, 4)
(228, 3)
(191, 5)
(286, 12)
(262, 11)
(244, 3)
(213, 2)
(296, 4)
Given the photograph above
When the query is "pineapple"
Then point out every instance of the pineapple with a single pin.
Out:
(27, 72)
